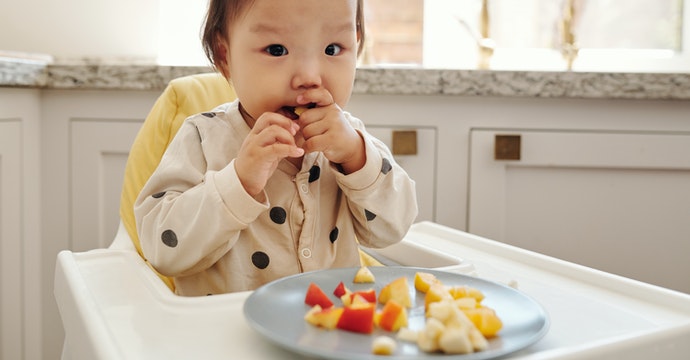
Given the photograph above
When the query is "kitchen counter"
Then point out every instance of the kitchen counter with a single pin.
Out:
(95, 74)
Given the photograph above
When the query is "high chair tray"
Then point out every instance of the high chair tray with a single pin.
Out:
(114, 307)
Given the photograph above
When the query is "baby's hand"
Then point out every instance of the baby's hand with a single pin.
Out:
(271, 139)
(326, 129)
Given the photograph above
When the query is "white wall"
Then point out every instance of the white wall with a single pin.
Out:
(76, 28)
(164, 30)
(179, 40)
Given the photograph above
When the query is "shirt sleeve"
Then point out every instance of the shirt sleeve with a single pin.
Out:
(381, 195)
(189, 216)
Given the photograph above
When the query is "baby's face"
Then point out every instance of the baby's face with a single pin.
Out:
(278, 49)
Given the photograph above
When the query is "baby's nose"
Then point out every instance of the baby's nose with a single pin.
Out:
(307, 75)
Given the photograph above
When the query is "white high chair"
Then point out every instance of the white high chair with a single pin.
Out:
(119, 277)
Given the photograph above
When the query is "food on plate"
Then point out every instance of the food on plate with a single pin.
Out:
(397, 290)
(448, 330)
(326, 318)
(358, 317)
(407, 335)
(392, 317)
(456, 321)
(424, 280)
(369, 295)
(341, 290)
(455, 340)
(485, 319)
(364, 275)
(436, 292)
(383, 345)
(316, 296)
(464, 291)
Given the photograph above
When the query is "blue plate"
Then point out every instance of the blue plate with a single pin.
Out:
(276, 310)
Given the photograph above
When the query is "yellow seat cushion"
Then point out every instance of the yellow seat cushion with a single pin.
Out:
(183, 97)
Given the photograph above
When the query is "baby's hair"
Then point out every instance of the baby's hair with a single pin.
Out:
(222, 12)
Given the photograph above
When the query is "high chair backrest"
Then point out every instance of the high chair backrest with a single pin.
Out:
(183, 97)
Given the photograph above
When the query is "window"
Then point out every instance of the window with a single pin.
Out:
(610, 35)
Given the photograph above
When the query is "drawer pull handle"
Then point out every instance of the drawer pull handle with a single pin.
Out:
(507, 147)
(404, 142)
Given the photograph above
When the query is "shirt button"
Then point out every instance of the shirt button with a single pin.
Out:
(304, 188)
(306, 253)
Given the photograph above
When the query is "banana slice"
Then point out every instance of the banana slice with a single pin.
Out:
(383, 345)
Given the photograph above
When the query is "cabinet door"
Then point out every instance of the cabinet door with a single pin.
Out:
(99, 151)
(11, 266)
(421, 167)
(619, 202)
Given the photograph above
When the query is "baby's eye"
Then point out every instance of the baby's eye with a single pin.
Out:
(333, 49)
(276, 50)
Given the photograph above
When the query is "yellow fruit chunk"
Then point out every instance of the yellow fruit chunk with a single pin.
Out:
(310, 315)
(455, 341)
(462, 291)
(326, 318)
(300, 109)
(383, 345)
(466, 303)
(397, 290)
(392, 317)
(436, 292)
(364, 275)
(407, 335)
(485, 319)
(423, 281)
(358, 299)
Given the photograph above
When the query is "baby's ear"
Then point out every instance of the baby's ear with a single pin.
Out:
(220, 56)
(360, 39)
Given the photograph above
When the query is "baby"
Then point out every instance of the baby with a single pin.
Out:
(282, 180)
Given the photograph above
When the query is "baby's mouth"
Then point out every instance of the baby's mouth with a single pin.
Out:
(293, 112)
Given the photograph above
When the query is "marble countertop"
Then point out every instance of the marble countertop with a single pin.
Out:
(141, 75)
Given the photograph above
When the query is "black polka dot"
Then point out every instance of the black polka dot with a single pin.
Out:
(370, 215)
(169, 238)
(209, 114)
(386, 166)
(158, 195)
(260, 259)
(334, 234)
(314, 173)
(278, 215)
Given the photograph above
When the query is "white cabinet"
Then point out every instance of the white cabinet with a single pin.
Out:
(99, 150)
(20, 251)
(11, 259)
(85, 138)
(420, 166)
(615, 201)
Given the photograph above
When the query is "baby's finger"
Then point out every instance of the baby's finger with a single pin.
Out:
(282, 150)
(273, 119)
(319, 96)
(275, 134)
